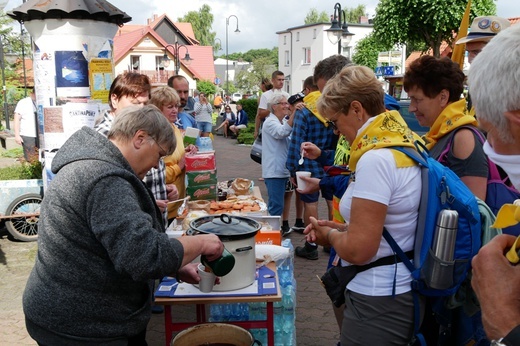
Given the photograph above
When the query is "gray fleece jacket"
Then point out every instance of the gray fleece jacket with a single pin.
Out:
(99, 247)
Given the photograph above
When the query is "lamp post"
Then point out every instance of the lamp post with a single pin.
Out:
(227, 59)
(338, 33)
(176, 51)
(215, 47)
(4, 87)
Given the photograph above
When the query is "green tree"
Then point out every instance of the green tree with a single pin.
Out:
(248, 80)
(201, 22)
(430, 22)
(253, 54)
(354, 13)
(367, 51)
(206, 87)
(313, 16)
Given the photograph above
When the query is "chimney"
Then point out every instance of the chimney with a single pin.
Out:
(363, 20)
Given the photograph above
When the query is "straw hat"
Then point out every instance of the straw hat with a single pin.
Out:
(485, 28)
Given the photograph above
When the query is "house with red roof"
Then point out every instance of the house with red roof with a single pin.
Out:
(143, 48)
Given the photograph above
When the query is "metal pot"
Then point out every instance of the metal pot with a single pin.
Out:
(238, 235)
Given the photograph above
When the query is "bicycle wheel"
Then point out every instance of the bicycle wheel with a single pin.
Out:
(24, 227)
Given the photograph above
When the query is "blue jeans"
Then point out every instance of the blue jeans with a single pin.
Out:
(275, 195)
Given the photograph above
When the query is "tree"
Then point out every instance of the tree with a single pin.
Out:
(314, 17)
(206, 87)
(249, 80)
(354, 13)
(430, 22)
(201, 22)
(253, 54)
(367, 51)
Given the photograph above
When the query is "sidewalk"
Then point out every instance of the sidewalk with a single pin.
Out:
(315, 323)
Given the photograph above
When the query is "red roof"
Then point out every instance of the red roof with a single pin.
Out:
(201, 67)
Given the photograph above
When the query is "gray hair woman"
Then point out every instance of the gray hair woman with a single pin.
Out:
(275, 144)
(384, 193)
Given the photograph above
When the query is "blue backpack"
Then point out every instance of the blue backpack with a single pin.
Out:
(442, 189)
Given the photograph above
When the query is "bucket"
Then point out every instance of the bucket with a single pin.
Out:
(214, 334)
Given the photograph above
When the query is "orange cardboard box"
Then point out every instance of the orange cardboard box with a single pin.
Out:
(269, 237)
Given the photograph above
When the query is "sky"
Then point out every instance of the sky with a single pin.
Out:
(258, 21)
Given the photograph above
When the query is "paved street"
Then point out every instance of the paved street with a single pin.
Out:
(315, 323)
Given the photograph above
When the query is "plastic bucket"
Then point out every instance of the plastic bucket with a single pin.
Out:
(214, 334)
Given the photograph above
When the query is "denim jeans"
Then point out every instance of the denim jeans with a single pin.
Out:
(275, 195)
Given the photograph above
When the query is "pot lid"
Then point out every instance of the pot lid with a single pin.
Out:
(227, 226)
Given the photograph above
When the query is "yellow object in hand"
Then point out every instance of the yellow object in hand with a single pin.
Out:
(512, 254)
(508, 215)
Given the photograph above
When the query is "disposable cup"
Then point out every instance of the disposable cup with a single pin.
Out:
(207, 279)
(302, 184)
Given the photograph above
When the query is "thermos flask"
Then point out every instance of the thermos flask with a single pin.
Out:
(443, 249)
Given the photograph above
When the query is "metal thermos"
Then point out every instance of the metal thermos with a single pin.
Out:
(443, 249)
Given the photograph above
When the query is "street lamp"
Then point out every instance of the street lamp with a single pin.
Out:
(215, 47)
(4, 87)
(187, 60)
(227, 59)
(338, 33)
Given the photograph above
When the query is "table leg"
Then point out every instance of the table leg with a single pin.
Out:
(201, 313)
(168, 323)
(270, 323)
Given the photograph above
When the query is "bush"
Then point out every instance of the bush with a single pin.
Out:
(20, 172)
(246, 136)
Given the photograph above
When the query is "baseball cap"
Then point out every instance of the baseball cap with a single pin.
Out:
(295, 98)
(485, 28)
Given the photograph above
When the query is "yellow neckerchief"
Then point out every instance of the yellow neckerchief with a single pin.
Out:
(310, 102)
(388, 129)
(453, 116)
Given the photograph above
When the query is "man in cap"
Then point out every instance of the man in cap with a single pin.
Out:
(482, 30)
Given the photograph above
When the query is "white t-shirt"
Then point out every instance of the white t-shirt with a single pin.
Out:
(378, 179)
(25, 107)
(268, 95)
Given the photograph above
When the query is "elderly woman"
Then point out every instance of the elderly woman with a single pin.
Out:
(101, 241)
(168, 102)
(384, 193)
(434, 86)
(275, 144)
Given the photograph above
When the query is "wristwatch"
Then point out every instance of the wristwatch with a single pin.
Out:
(511, 339)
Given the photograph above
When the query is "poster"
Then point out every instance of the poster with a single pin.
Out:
(101, 76)
(71, 74)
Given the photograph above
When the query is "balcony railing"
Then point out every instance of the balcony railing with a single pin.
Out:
(157, 76)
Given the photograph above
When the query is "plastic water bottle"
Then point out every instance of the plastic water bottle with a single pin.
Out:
(215, 313)
(288, 299)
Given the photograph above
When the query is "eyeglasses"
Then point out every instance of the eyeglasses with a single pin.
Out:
(332, 123)
(162, 156)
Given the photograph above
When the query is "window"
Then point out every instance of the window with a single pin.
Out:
(135, 62)
(287, 60)
(346, 52)
(306, 55)
(159, 64)
(314, 33)
(285, 39)
(297, 36)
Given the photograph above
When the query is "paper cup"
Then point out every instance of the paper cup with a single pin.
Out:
(302, 184)
(207, 279)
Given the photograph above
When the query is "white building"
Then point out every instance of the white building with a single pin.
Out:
(300, 48)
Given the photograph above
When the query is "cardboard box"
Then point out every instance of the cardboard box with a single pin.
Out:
(202, 178)
(201, 162)
(202, 192)
(270, 237)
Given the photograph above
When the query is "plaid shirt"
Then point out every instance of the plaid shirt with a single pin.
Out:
(155, 179)
(308, 128)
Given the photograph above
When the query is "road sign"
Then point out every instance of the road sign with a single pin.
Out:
(217, 81)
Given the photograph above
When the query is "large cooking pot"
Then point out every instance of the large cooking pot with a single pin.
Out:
(238, 235)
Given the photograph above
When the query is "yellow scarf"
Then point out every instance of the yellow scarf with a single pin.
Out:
(452, 117)
(388, 129)
(310, 102)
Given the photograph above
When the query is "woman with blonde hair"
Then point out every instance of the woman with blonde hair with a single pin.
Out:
(168, 102)
(384, 192)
